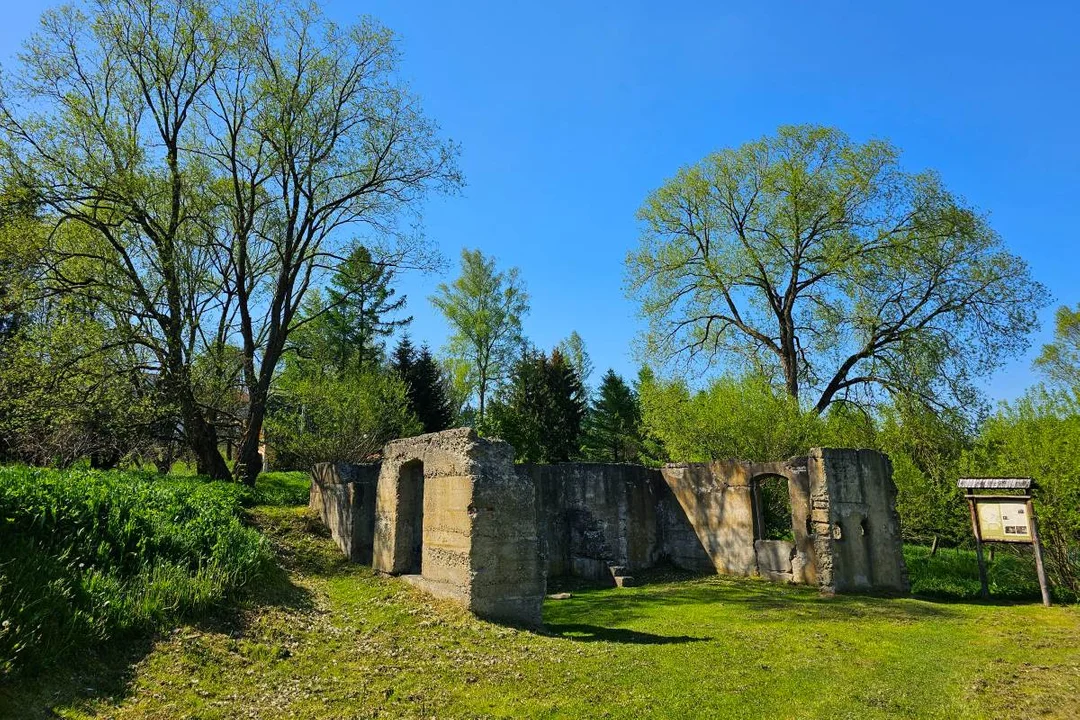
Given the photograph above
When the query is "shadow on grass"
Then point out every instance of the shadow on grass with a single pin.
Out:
(746, 598)
(591, 633)
(104, 673)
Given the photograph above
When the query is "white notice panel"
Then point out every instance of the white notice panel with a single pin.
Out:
(1003, 521)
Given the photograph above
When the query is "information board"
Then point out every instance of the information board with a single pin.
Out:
(1003, 521)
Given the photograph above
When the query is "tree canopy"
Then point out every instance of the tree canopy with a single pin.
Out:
(197, 165)
(484, 307)
(823, 265)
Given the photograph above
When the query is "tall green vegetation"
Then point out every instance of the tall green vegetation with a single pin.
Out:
(732, 417)
(1038, 436)
(1059, 361)
(613, 424)
(360, 309)
(541, 409)
(429, 394)
(337, 398)
(197, 164)
(573, 349)
(819, 263)
(347, 417)
(484, 307)
(86, 556)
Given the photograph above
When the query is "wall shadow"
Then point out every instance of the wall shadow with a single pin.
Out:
(580, 632)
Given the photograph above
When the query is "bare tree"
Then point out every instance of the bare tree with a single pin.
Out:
(312, 135)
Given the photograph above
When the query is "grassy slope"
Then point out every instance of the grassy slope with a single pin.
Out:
(330, 639)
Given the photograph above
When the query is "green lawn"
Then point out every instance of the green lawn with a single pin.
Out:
(327, 639)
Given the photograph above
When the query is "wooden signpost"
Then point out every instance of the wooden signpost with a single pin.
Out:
(1004, 519)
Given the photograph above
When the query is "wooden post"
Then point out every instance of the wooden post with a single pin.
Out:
(978, 549)
(1043, 585)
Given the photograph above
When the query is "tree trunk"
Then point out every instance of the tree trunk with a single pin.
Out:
(202, 437)
(249, 461)
(933, 546)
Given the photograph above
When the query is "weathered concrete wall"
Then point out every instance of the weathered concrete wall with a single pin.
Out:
(451, 513)
(716, 499)
(343, 495)
(595, 516)
(856, 526)
(478, 534)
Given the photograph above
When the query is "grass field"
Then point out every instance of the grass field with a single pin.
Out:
(323, 638)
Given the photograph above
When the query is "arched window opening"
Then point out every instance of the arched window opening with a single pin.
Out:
(772, 509)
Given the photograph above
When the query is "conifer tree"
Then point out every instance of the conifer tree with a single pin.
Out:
(361, 309)
(613, 424)
(540, 411)
(429, 396)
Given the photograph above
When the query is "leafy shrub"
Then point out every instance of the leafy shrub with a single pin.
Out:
(732, 417)
(347, 418)
(954, 574)
(86, 556)
(1038, 436)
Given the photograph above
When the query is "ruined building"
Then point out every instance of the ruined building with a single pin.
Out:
(452, 513)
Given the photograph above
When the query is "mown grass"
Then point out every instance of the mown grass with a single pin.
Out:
(89, 556)
(330, 639)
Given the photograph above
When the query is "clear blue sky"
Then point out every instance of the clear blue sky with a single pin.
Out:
(569, 113)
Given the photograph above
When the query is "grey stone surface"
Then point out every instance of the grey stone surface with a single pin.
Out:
(343, 495)
(451, 509)
(451, 513)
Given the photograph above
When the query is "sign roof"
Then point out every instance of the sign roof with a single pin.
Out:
(994, 483)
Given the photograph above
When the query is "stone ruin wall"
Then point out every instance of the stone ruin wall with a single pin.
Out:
(453, 514)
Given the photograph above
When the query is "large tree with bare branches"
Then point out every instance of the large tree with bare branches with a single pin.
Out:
(823, 264)
(200, 165)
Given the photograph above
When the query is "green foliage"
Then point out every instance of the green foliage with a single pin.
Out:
(540, 411)
(742, 417)
(926, 448)
(613, 423)
(775, 509)
(283, 489)
(86, 556)
(953, 574)
(573, 349)
(483, 307)
(63, 397)
(429, 392)
(344, 331)
(347, 418)
(1038, 436)
(1060, 360)
(818, 262)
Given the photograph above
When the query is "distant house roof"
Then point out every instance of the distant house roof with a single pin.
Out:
(994, 483)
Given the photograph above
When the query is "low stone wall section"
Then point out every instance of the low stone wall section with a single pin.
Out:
(343, 496)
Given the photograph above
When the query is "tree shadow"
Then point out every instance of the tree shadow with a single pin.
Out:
(580, 632)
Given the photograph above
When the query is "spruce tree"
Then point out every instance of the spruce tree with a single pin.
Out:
(427, 387)
(613, 425)
(541, 410)
(361, 305)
